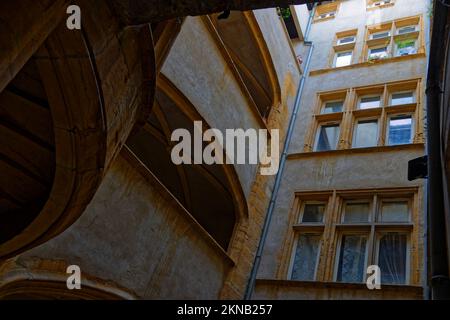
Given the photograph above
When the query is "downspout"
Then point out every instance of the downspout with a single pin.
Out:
(251, 283)
(439, 270)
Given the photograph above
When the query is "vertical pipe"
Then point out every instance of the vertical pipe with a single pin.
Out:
(436, 217)
(268, 219)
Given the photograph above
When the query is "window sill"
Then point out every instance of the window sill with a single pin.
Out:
(337, 285)
(356, 150)
(368, 64)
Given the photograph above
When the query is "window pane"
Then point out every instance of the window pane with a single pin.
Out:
(370, 102)
(378, 53)
(346, 40)
(343, 59)
(328, 138)
(406, 47)
(407, 29)
(394, 212)
(400, 130)
(392, 258)
(332, 107)
(352, 259)
(402, 98)
(313, 213)
(380, 35)
(356, 212)
(366, 134)
(305, 259)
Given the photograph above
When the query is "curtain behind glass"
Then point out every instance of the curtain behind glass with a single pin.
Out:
(352, 259)
(306, 257)
(392, 258)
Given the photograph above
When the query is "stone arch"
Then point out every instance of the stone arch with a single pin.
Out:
(224, 206)
(39, 279)
(96, 91)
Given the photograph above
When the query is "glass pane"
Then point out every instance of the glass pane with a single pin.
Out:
(395, 212)
(328, 138)
(305, 259)
(380, 35)
(402, 98)
(366, 134)
(392, 258)
(356, 212)
(346, 40)
(378, 53)
(332, 107)
(407, 29)
(400, 130)
(352, 259)
(370, 102)
(406, 47)
(343, 59)
(313, 213)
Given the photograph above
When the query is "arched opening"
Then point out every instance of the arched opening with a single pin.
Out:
(27, 151)
(251, 57)
(204, 190)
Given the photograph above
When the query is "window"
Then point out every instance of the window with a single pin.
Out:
(378, 53)
(370, 102)
(400, 98)
(330, 14)
(346, 40)
(356, 212)
(343, 59)
(394, 211)
(373, 4)
(405, 47)
(380, 35)
(379, 115)
(306, 257)
(307, 246)
(400, 130)
(333, 107)
(367, 227)
(366, 134)
(352, 258)
(313, 212)
(326, 11)
(392, 39)
(392, 257)
(327, 137)
(407, 29)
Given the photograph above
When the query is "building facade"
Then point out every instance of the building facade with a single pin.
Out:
(342, 81)
(345, 202)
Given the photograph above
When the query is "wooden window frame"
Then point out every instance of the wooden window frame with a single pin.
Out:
(334, 228)
(346, 47)
(390, 42)
(326, 8)
(370, 4)
(351, 114)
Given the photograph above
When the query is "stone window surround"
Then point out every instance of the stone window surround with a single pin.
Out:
(332, 229)
(350, 114)
(325, 8)
(369, 5)
(391, 26)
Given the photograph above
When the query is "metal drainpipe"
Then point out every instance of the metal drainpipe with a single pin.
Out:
(436, 217)
(251, 283)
